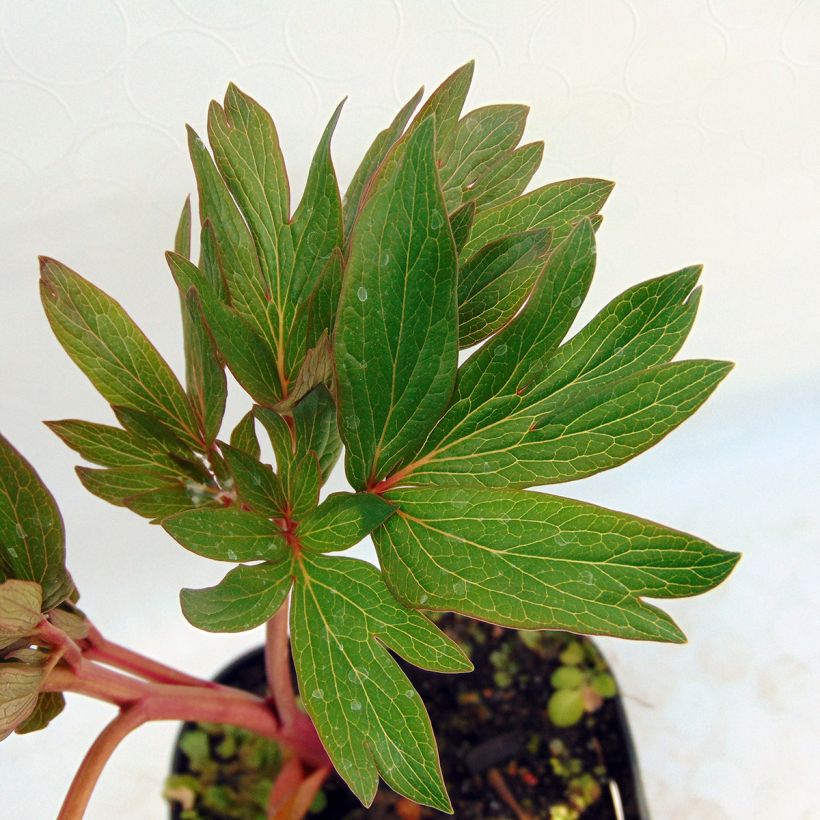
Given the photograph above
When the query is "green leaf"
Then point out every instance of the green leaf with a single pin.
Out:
(535, 561)
(32, 538)
(461, 220)
(246, 597)
(494, 282)
(316, 369)
(507, 177)
(49, 705)
(370, 719)
(319, 311)
(109, 446)
(342, 520)
(567, 677)
(19, 689)
(155, 434)
(565, 707)
(228, 534)
(170, 500)
(558, 206)
(317, 431)
(396, 331)
(117, 484)
(20, 610)
(246, 353)
(477, 140)
(243, 436)
(256, 483)
(373, 158)
(445, 103)
(604, 685)
(182, 238)
(234, 248)
(111, 350)
(205, 380)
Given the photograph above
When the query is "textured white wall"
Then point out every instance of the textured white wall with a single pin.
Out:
(708, 116)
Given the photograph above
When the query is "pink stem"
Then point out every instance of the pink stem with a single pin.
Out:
(277, 666)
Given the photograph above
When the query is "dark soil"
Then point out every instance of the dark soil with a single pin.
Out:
(502, 757)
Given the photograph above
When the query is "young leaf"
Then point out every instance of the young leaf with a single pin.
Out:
(32, 538)
(20, 609)
(445, 103)
(243, 436)
(111, 350)
(109, 446)
(461, 220)
(535, 561)
(342, 520)
(396, 330)
(246, 597)
(317, 432)
(507, 177)
(182, 238)
(370, 719)
(117, 484)
(228, 535)
(204, 374)
(373, 158)
(477, 140)
(246, 353)
(49, 705)
(558, 206)
(256, 483)
(494, 282)
(19, 688)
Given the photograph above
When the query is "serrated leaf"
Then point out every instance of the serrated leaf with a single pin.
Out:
(373, 158)
(507, 177)
(396, 335)
(370, 719)
(494, 282)
(111, 350)
(535, 561)
(109, 446)
(48, 706)
(557, 206)
(256, 483)
(472, 150)
(243, 436)
(19, 687)
(32, 537)
(342, 520)
(20, 610)
(246, 597)
(228, 534)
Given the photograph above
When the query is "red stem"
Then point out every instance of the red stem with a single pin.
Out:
(277, 666)
(98, 648)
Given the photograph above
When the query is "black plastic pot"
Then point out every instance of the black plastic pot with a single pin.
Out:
(495, 738)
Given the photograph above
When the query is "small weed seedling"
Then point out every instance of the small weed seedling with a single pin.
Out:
(343, 320)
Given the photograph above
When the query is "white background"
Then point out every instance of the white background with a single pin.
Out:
(708, 116)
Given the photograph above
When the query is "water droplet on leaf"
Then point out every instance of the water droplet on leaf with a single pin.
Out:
(317, 694)
(20, 531)
(435, 220)
(231, 554)
(355, 706)
(576, 302)
(362, 294)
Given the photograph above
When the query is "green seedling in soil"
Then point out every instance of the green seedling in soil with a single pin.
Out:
(581, 684)
(342, 319)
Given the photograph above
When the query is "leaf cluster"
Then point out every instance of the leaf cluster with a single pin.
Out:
(343, 319)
